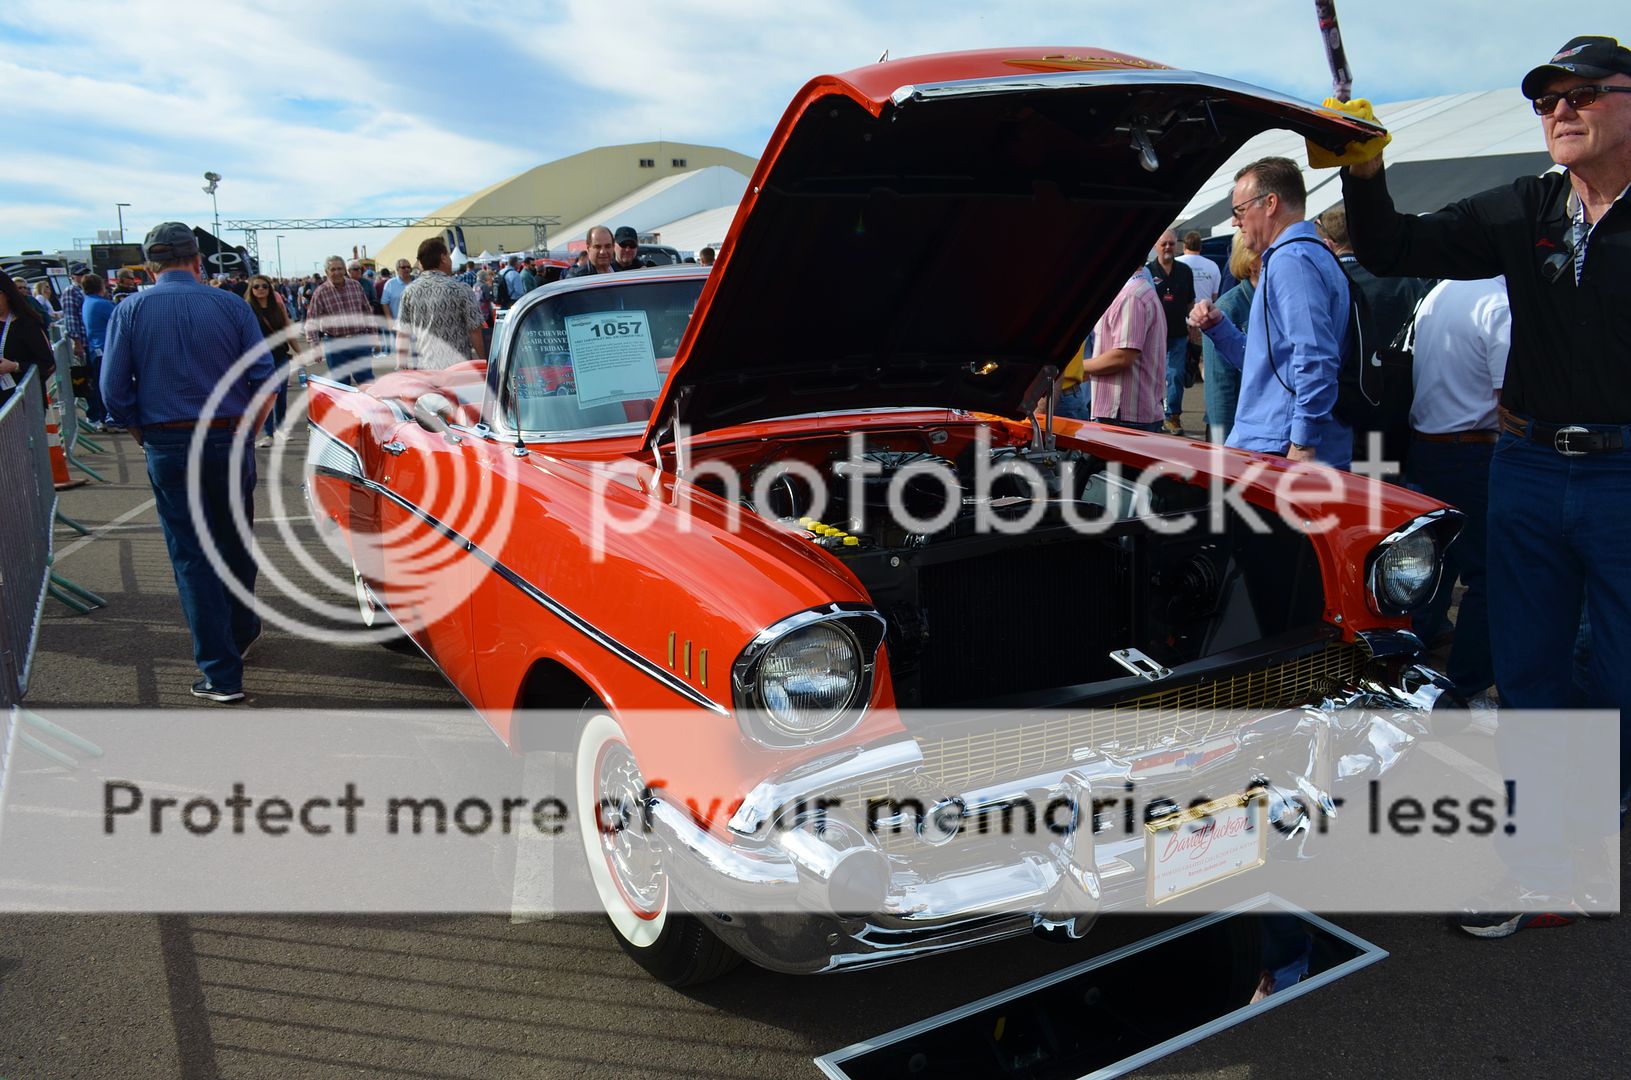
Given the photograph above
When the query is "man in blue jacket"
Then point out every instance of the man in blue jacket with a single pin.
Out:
(1292, 350)
(168, 348)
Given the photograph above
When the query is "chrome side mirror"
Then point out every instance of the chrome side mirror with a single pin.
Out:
(433, 412)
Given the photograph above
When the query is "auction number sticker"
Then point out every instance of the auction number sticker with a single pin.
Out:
(612, 357)
(1194, 848)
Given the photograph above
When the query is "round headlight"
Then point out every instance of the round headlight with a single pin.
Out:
(1405, 572)
(809, 679)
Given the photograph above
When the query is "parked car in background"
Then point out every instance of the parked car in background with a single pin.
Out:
(823, 574)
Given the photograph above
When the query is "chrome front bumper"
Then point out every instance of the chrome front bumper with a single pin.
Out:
(797, 886)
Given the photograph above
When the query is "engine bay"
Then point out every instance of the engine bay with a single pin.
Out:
(1007, 571)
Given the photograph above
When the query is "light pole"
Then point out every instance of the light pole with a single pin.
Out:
(280, 255)
(214, 179)
(120, 207)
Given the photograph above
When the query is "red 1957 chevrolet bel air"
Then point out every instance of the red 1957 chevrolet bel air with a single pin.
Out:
(801, 527)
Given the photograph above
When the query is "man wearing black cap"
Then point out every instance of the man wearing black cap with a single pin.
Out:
(627, 254)
(1560, 483)
(168, 349)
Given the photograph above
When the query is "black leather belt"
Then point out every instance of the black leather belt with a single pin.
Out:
(1478, 435)
(1570, 440)
(187, 425)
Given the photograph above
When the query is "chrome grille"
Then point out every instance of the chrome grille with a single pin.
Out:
(1188, 713)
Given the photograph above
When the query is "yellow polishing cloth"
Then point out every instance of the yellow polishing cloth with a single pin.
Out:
(1355, 152)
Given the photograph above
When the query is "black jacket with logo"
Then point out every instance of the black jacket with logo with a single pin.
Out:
(1177, 293)
(1571, 344)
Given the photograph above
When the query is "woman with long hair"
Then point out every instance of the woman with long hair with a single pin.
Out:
(269, 311)
(23, 344)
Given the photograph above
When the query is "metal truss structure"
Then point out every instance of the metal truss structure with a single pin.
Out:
(251, 228)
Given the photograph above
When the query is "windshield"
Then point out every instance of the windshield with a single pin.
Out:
(595, 358)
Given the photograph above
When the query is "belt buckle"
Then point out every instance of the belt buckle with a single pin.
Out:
(1560, 441)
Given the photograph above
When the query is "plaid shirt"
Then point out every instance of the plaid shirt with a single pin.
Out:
(439, 313)
(73, 303)
(339, 312)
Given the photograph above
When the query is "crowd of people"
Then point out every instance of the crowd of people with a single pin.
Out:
(1515, 306)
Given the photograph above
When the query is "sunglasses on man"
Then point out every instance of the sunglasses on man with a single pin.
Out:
(1578, 97)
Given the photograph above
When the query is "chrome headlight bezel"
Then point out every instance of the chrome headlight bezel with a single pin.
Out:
(863, 625)
(1441, 527)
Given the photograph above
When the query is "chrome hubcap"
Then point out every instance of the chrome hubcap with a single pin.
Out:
(630, 850)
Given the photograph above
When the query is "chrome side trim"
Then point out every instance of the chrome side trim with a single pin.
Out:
(1153, 79)
(324, 380)
(531, 591)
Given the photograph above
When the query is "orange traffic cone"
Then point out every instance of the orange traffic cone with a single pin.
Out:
(59, 457)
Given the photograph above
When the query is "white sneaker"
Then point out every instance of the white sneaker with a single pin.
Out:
(1485, 709)
(263, 442)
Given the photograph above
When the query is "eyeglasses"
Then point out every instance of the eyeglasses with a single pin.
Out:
(633, 245)
(260, 288)
(1240, 209)
(1578, 97)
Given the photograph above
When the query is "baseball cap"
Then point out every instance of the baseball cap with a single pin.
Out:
(77, 268)
(1587, 57)
(625, 235)
(170, 241)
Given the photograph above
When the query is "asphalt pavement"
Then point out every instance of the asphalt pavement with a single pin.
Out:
(455, 997)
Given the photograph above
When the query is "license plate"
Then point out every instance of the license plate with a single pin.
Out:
(1194, 848)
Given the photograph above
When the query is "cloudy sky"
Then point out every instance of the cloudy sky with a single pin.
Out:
(395, 107)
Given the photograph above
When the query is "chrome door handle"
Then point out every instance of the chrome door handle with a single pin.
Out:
(394, 447)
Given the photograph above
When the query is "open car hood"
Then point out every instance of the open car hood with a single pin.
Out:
(939, 231)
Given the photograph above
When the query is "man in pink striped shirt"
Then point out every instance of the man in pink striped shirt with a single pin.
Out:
(1128, 371)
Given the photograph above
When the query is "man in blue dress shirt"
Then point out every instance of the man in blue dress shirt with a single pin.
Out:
(167, 350)
(1292, 350)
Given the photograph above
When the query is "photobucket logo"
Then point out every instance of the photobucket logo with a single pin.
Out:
(412, 500)
(869, 497)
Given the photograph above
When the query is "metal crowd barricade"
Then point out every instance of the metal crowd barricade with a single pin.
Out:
(28, 502)
(67, 405)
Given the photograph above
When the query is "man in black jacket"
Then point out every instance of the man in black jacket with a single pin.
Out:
(1175, 285)
(1560, 483)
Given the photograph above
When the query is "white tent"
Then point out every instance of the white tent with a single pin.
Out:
(459, 258)
(1443, 149)
(486, 257)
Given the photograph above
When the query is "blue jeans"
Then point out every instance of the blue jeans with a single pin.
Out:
(95, 410)
(1559, 546)
(349, 358)
(1458, 473)
(1073, 403)
(221, 624)
(1177, 361)
(1222, 389)
(280, 395)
